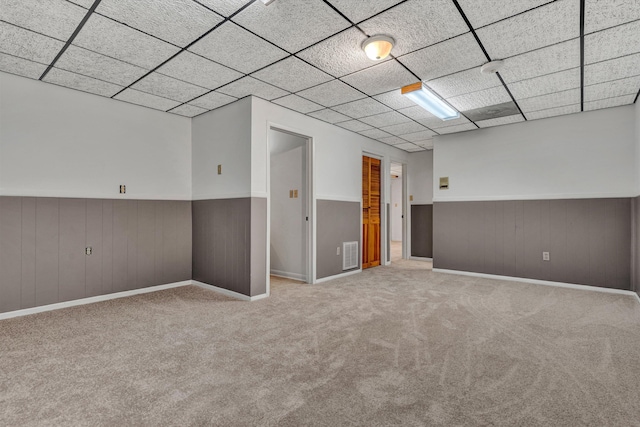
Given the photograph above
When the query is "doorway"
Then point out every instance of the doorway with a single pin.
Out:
(371, 192)
(396, 213)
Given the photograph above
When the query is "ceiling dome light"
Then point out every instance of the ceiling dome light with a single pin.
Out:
(492, 67)
(378, 47)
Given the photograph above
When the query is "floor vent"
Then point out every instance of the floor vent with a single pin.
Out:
(350, 255)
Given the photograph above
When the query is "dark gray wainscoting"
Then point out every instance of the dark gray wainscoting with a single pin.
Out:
(589, 240)
(337, 222)
(422, 231)
(229, 244)
(135, 244)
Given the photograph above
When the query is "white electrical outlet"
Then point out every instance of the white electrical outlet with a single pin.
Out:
(338, 251)
(545, 256)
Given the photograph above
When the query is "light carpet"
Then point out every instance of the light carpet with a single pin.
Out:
(396, 345)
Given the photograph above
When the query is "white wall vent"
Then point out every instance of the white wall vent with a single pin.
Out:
(350, 255)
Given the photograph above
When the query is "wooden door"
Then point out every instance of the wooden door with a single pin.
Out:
(370, 212)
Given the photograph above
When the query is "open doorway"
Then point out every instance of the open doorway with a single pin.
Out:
(396, 214)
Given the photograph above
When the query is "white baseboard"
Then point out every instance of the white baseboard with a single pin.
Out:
(287, 275)
(419, 258)
(90, 300)
(539, 282)
(228, 293)
(338, 276)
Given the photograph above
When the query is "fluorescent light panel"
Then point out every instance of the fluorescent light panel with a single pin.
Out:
(422, 95)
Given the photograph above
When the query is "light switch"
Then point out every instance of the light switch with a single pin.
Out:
(219, 169)
(295, 194)
(411, 198)
(291, 194)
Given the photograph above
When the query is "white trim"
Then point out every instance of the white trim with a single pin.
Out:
(419, 258)
(338, 276)
(637, 297)
(532, 197)
(218, 196)
(227, 292)
(287, 275)
(259, 194)
(538, 282)
(92, 195)
(91, 300)
(340, 198)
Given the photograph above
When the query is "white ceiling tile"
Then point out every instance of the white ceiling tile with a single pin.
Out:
(341, 54)
(53, 18)
(118, 41)
(552, 112)
(27, 44)
(224, 7)
(464, 82)
(614, 69)
(456, 128)
(450, 56)
(553, 23)
(146, 100)
(408, 146)
(380, 78)
(395, 99)
(330, 116)
(417, 113)
(292, 24)
(392, 140)
(418, 136)
(417, 23)
(385, 119)
(354, 125)
(332, 93)
(250, 86)
(83, 83)
(21, 67)
(438, 123)
(361, 108)
(84, 3)
(601, 14)
(414, 149)
(550, 83)
(615, 88)
(552, 100)
(237, 48)
(609, 102)
(177, 21)
(188, 110)
(484, 12)
(482, 98)
(500, 121)
(296, 103)
(612, 43)
(357, 11)
(199, 71)
(212, 100)
(427, 143)
(552, 59)
(89, 63)
(292, 74)
(168, 87)
(375, 134)
(404, 128)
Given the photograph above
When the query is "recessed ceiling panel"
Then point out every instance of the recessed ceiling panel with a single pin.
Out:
(552, 59)
(53, 18)
(463, 82)
(395, 99)
(492, 111)
(427, 143)
(89, 63)
(199, 71)
(484, 12)
(357, 11)
(482, 98)
(118, 41)
(552, 112)
(146, 100)
(612, 43)
(448, 57)
(329, 116)
(21, 67)
(456, 129)
(354, 125)
(417, 113)
(549, 24)
(615, 88)
(500, 121)
(404, 128)
(176, 21)
(380, 78)
(614, 69)
(552, 100)
(556, 82)
(601, 14)
(418, 136)
(609, 102)
(83, 83)
(385, 119)
(417, 23)
(375, 134)
(213, 100)
(224, 7)
(168, 87)
(292, 74)
(188, 110)
(296, 103)
(341, 54)
(292, 24)
(332, 93)
(361, 108)
(250, 86)
(237, 48)
(408, 146)
(392, 140)
(27, 44)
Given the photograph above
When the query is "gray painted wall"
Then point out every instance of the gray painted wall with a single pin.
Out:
(589, 240)
(337, 222)
(635, 248)
(136, 244)
(422, 231)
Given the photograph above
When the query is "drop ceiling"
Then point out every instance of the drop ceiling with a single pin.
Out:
(188, 57)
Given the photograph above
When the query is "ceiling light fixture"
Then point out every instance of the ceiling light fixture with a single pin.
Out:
(492, 67)
(424, 97)
(267, 2)
(378, 47)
